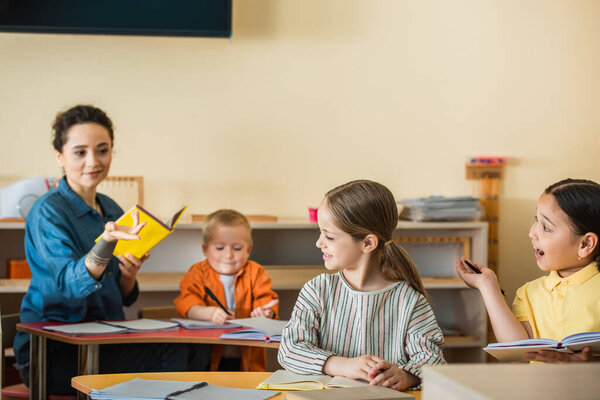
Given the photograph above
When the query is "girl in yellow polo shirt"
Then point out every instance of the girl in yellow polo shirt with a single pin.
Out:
(564, 236)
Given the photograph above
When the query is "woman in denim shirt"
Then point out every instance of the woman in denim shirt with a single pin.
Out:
(73, 278)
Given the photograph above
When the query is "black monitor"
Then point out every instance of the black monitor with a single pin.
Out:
(211, 18)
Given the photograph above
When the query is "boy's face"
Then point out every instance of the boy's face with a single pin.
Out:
(228, 250)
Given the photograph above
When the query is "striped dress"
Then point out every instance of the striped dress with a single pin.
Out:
(330, 318)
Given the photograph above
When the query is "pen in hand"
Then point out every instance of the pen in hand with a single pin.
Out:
(212, 296)
(477, 271)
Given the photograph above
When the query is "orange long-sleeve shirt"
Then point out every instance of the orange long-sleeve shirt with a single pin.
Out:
(252, 289)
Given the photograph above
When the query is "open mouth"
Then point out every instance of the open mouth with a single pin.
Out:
(538, 252)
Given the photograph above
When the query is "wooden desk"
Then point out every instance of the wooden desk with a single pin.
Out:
(242, 380)
(512, 381)
(88, 347)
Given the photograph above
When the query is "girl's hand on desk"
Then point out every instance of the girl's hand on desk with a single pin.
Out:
(219, 316)
(389, 375)
(265, 311)
(353, 368)
(550, 356)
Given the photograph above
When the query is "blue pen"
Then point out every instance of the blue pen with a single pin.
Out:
(477, 271)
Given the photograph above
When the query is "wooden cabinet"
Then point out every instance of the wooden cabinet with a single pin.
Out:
(288, 252)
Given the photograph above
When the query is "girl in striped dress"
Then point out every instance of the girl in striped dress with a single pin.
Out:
(371, 320)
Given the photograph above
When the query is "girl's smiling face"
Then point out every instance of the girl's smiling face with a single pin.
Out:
(556, 245)
(340, 250)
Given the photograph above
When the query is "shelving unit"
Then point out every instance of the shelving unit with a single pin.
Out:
(288, 252)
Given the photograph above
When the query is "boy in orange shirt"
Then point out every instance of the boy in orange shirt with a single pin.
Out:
(242, 285)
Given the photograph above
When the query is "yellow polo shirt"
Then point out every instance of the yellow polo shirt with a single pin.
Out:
(556, 307)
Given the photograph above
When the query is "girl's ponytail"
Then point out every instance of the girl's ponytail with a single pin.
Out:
(397, 265)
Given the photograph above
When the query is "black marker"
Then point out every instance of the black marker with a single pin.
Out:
(212, 296)
(477, 271)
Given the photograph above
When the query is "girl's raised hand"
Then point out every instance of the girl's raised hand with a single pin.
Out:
(486, 277)
(114, 232)
(389, 375)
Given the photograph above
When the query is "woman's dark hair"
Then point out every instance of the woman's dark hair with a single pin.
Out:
(363, 207)
(80, 114)
(580, 200)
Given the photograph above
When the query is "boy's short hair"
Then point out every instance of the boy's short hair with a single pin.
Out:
(225, 217)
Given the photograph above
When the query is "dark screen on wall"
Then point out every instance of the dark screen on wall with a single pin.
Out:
(121, 17)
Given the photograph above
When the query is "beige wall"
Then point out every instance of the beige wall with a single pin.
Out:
(309, 94)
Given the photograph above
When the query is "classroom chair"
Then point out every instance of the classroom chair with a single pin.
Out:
(17, 390)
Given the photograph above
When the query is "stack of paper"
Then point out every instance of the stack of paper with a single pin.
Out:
(438, 208)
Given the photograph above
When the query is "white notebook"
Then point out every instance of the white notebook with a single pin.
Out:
(112, 327)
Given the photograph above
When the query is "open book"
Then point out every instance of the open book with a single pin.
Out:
(513, 351)
(261, 328)
(285, 380)
(200, 324)
(340, 388)
(150, 235)
(150, 389)
(112, 327)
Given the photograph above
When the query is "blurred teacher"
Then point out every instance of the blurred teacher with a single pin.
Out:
(75, 278)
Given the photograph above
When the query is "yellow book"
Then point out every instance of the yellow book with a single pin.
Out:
(150, 235)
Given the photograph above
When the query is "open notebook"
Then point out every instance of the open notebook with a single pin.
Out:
(285, 380)
(306, 387)
(514, 351)
(261, 328)
(150, 389)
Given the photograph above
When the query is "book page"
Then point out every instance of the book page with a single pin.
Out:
(270, 326)
(86, 328)
(138, 388)
(214, 392)
(516, 353)
(143, 324)
(283, 379)
(524, 342)
(175, 218)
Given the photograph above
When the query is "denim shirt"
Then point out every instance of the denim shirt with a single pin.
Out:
(59, 232)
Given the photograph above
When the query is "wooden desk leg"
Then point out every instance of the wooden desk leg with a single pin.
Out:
(88, 358)
(37, 367)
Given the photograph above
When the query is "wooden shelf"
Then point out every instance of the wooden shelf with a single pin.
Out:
(285, 277)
